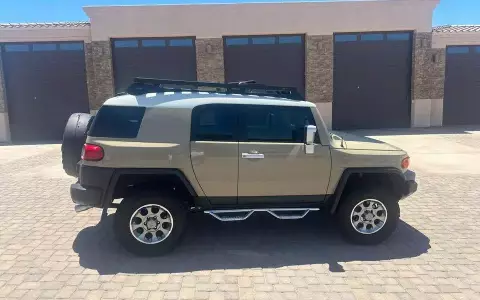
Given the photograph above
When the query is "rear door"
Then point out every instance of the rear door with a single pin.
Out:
(273, 165)
(214, 151)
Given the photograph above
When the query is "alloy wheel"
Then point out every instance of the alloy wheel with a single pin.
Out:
(151, 224)
(368, 216)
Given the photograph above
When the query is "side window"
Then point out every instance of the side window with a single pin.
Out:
(281, 124)
(117, 122)
(214, 122)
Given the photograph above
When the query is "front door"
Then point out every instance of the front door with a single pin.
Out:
(214, 151)
(273, 165)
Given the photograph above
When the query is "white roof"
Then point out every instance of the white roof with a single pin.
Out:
(192, 99)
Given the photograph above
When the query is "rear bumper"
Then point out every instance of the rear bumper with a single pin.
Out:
(410, 183)
(88, 196)
(92, 186)
(410, 188)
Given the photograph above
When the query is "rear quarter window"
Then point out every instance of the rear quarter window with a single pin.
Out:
(117, 122)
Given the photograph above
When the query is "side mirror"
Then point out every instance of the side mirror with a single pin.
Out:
(310, 131)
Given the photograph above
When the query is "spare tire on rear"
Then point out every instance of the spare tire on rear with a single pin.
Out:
(74, 137)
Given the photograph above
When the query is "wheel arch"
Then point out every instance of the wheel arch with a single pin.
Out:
(124, 182)
(392, 177)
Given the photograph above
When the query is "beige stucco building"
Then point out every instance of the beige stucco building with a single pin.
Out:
(367, 55)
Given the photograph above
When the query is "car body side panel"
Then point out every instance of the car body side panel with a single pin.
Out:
(285, 170)
(215, 165)
(344, 158)
(163, 141)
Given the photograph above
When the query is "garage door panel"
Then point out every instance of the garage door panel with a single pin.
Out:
(156, 58)
(462, 86)
(371, 81)
(273, 60)
(20, 72)
(260, 63)
(64, 73)
(45, 84)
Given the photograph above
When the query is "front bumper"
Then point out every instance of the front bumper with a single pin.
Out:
(410, 183)
(87, 196)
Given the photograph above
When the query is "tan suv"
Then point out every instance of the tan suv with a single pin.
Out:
(170, 148)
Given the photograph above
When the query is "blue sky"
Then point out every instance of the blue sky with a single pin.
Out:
(448, 12)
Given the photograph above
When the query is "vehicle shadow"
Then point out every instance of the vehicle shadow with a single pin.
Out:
(259, 242)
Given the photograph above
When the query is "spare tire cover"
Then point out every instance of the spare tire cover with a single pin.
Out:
(74, 137)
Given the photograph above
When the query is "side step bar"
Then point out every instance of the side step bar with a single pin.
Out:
(81, 207)
(228, 215)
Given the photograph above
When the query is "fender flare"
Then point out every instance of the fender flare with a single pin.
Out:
(108, 196)
(351, 171)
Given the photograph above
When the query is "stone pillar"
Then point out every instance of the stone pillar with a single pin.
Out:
(319, 74)
(209, 53)
(90, 74)
(99, 73)
(427, 82)
(4, 124)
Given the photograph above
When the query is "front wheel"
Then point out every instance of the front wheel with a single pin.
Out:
(150, 225)
(368, 217)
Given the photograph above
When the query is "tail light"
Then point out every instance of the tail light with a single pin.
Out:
(92, 152)
(405, 162)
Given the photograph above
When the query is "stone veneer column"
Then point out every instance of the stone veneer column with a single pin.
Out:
(427, 82)
(90, 74)
(209, 53)
(319, 74)
(4, 124)
(99, 72)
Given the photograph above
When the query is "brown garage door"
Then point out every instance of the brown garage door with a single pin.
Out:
(372, 80)
(165, 58)
(45, 84)
(461, 104)
(275, 60)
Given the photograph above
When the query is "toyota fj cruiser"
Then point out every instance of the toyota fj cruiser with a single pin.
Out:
(168, 148)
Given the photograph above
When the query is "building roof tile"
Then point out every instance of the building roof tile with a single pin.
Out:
(456, 28)
(44, 25)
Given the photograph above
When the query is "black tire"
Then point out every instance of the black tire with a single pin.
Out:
(130, 205)
(349, 202)
(74, 137)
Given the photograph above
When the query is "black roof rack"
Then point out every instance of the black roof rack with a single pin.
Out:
(142, 86)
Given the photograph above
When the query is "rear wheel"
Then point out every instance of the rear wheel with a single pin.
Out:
(368, 217)
(150, 225)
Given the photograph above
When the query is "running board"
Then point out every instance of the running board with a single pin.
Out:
(81, 207)
(228, 215)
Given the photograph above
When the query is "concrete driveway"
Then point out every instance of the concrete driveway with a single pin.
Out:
(48, 251)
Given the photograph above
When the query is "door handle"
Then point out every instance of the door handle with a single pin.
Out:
(253, 155)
